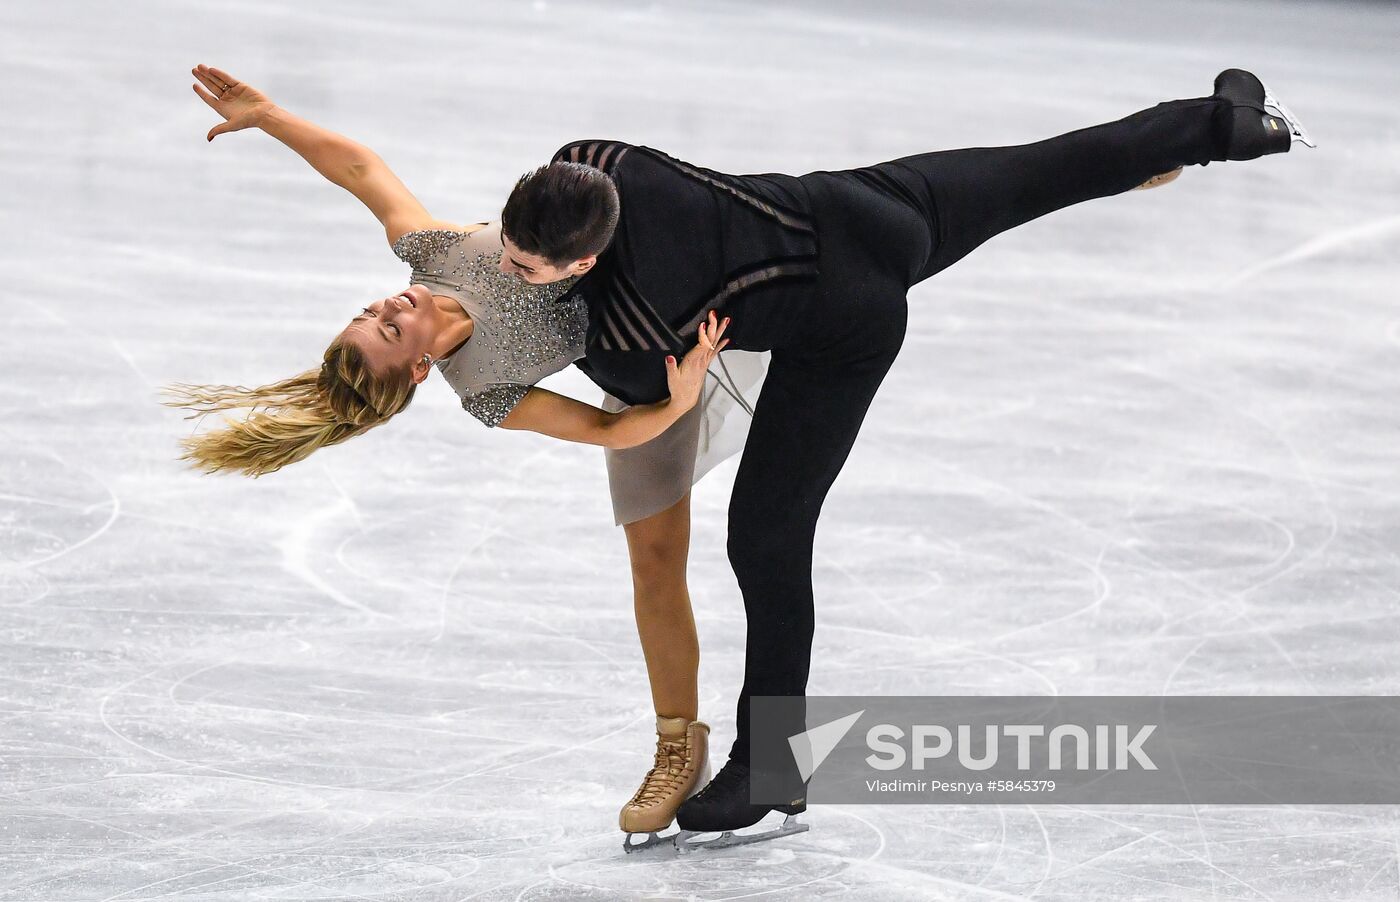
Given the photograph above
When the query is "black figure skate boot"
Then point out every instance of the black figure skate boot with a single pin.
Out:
(1258, 123)
(723, 807)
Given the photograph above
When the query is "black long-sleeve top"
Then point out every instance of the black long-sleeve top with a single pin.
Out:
(688, 240)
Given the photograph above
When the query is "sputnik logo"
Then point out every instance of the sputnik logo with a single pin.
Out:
(810, 748)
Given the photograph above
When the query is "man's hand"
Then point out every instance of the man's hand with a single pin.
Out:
(241, 105)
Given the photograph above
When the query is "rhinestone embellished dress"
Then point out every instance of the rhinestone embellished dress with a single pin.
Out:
(521, 333)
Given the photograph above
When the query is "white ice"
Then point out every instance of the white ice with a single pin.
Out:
(1145, 445)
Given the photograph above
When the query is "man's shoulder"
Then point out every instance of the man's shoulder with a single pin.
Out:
(600, 153)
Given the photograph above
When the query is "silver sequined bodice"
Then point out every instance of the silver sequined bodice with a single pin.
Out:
(519, 333)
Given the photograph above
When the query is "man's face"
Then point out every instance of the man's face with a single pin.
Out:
(535, 269)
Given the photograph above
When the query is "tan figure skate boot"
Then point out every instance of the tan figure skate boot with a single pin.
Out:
(1162, 179)
(680, 769)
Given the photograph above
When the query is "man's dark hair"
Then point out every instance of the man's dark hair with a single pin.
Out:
(562, 212)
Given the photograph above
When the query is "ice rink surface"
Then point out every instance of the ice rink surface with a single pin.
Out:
(1146, 445)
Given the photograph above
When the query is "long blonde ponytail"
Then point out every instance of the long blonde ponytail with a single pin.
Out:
(290, 419)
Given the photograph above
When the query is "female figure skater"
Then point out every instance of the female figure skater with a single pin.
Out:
(492, 334)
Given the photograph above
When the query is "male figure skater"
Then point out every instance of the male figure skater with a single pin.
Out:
(816, 268)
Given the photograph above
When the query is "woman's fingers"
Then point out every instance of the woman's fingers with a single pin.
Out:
(202, 73)
(223, 77)
(709, 334)
(215, 79)
(214, 104)
(206, 97)
(716, 325)
(713, 332)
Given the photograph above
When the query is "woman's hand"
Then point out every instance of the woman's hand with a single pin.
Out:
(688, 377)
(241, 105)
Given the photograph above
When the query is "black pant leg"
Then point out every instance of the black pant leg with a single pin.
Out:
(804, 426)
(968, 195)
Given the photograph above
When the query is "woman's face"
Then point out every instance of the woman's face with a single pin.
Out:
(395, 332)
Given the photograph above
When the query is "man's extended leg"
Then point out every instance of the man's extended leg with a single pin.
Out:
(960, 198)
(971, 194)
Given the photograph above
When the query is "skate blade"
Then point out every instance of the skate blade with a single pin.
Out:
(689, 841)
(649, 841)
(1295, 125)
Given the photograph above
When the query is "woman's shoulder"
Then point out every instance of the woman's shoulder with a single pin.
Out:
(420, 244)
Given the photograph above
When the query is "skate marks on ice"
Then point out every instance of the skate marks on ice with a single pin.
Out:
(803, 863)
(40, 527)
(1362, 234)
(321, 685)
(1007, 852)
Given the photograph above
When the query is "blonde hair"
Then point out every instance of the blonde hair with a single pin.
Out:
(310, 410)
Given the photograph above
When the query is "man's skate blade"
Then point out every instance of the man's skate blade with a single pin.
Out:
(637, 842)
(1295, 125)
(692, 840)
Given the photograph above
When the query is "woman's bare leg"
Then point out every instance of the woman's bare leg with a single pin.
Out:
(659, 546)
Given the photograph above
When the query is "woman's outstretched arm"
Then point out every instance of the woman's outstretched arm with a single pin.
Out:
(340, 160)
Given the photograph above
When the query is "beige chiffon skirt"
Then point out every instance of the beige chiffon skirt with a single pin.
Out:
(648, 478)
